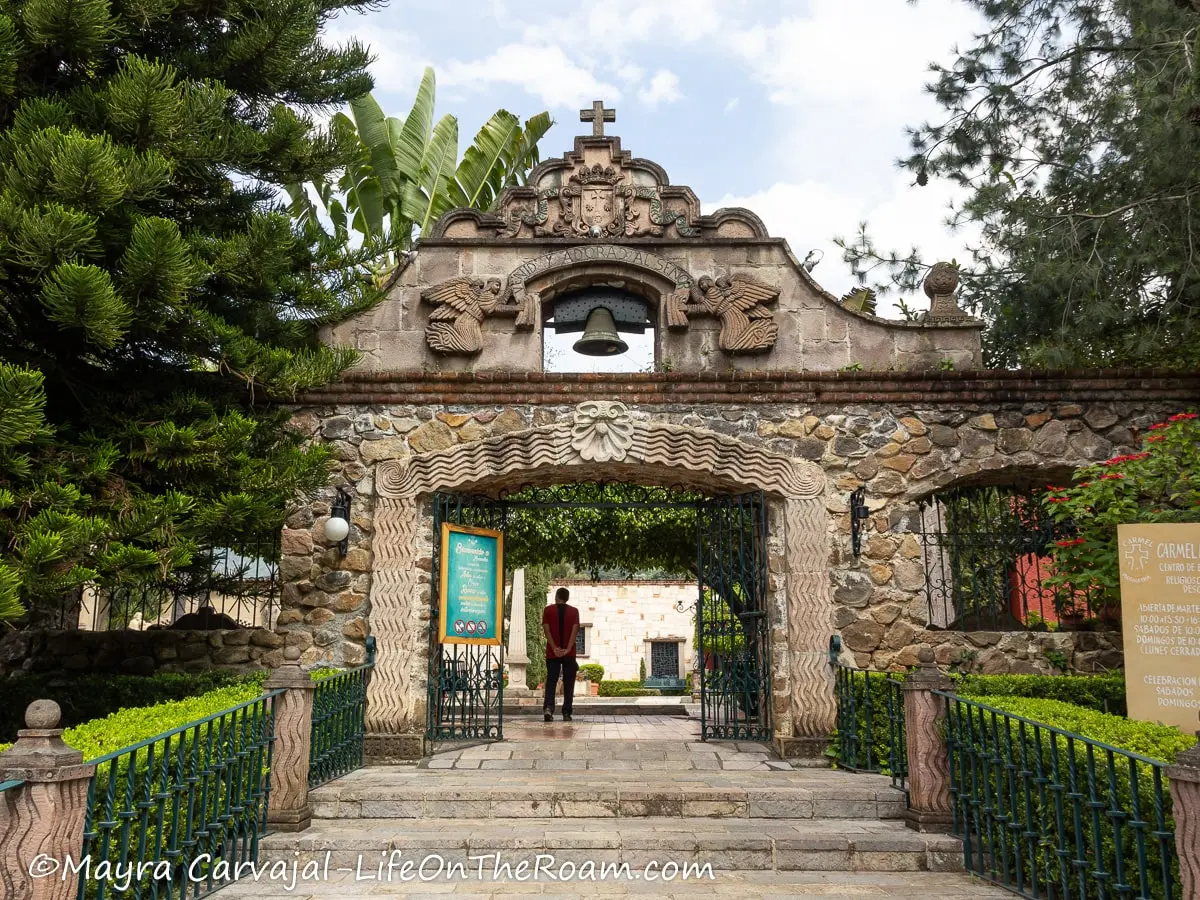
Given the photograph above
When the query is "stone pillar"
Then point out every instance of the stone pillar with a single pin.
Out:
(928, 757)
(1185, 802)
(41, 821)
(518, 655)
(288, 809)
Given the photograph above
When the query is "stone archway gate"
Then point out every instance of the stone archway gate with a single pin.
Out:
(603, 442)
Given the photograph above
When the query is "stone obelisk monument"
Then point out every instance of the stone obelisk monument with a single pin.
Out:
(517, 657)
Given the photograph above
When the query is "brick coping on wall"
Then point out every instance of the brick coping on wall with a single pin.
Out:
(927, 388)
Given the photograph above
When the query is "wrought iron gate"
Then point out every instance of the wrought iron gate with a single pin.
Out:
(465, 699)
(731, 615)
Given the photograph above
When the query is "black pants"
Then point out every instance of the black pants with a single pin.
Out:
(569, 667)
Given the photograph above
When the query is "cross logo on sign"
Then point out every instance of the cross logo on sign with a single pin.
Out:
(1137, 556)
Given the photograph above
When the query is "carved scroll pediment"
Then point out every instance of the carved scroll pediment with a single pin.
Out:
(597, 192)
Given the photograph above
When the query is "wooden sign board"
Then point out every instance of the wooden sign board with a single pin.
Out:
(1160, 614)
(472, 585)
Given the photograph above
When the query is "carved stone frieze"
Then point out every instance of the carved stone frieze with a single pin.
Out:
(739, 301)
(602, 431)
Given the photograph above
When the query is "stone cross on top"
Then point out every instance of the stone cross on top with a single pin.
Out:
(597, 115)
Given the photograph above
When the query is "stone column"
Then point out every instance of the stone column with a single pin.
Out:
(518, 655)
(928, 757)
(288, 809)
(42, 821)
(1185, 801)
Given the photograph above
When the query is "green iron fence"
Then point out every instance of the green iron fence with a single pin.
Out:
(1050, 814)
(870, 720)
(173, 815)
(339, 708)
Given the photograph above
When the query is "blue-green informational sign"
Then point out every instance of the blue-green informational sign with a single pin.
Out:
(472, 585)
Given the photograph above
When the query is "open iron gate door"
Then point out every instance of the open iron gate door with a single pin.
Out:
(731, 616)
(465, 696)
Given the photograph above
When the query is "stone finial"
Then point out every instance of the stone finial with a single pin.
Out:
(940, 285)
(925, 656)
(292, 654)
(43, 715)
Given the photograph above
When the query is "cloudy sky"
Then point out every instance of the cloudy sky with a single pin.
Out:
(795, 109)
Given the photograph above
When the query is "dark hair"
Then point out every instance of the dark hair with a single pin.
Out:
(562, 593)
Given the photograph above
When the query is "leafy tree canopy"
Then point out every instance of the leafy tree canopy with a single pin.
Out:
(1074, 126)
(406, 172)
(154, 295)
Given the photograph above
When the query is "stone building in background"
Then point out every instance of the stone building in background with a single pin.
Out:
(763, 382)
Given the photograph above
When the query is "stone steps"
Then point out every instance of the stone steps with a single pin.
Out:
(728, 844)
(413, 793)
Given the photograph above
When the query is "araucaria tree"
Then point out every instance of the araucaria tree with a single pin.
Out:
(1074, 126)
(155, 297)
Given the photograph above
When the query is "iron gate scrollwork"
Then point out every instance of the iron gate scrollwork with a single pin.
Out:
(465, 698)
(731, 615)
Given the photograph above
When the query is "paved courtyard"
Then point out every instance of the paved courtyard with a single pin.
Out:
(602, 727)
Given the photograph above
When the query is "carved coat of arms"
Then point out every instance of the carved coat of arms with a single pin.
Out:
(590, 205)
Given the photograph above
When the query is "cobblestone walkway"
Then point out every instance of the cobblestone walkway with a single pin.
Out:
(602, 727)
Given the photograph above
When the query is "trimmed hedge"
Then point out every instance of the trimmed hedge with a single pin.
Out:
(1146, 738)
(593, 672)
(618, 688)
(1102, 693)
(87, 697)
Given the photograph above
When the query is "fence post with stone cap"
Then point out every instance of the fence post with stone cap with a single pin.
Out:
(42, 820)
(1185, 806)
(928, 757)
(288, 808)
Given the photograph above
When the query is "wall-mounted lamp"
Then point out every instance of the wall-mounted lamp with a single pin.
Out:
(858, 515)
(337, 526)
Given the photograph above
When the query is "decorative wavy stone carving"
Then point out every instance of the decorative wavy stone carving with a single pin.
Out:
(809, 618)
(397, 681)
(602, 431)
(721, 458)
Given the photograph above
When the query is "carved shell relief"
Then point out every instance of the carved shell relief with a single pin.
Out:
(602, 431)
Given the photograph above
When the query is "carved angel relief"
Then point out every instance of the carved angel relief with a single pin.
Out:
(739, 301)
(461, 305)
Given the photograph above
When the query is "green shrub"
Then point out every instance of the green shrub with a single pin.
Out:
(1160, 742)
(613, 688)
(1101, 693)
(593, 672)
(635, 692)
(863, 706)
(86, 697)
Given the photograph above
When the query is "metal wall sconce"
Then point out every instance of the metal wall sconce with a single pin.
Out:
(858, 515)
(337, 526)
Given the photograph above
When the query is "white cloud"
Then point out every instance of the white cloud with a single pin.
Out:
(731, 105)
(809, 214)
(663, 88)
(545, 72)
(619, 23)
(864, 52)
(399, 57)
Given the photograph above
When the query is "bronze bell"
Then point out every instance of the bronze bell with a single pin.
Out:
(600, 336)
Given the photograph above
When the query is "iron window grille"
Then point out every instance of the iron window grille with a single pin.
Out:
(664, 659)
(987, 555)
(581, 641)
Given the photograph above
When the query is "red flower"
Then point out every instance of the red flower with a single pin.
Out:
(1085, 484)
(1160, 425)
(1073, 543)
(1137, 456)
(1178, 416)
(1155, 438)
(1111, 476)
(1057, 500)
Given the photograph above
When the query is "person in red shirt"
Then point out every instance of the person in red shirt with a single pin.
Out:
(560, 623)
